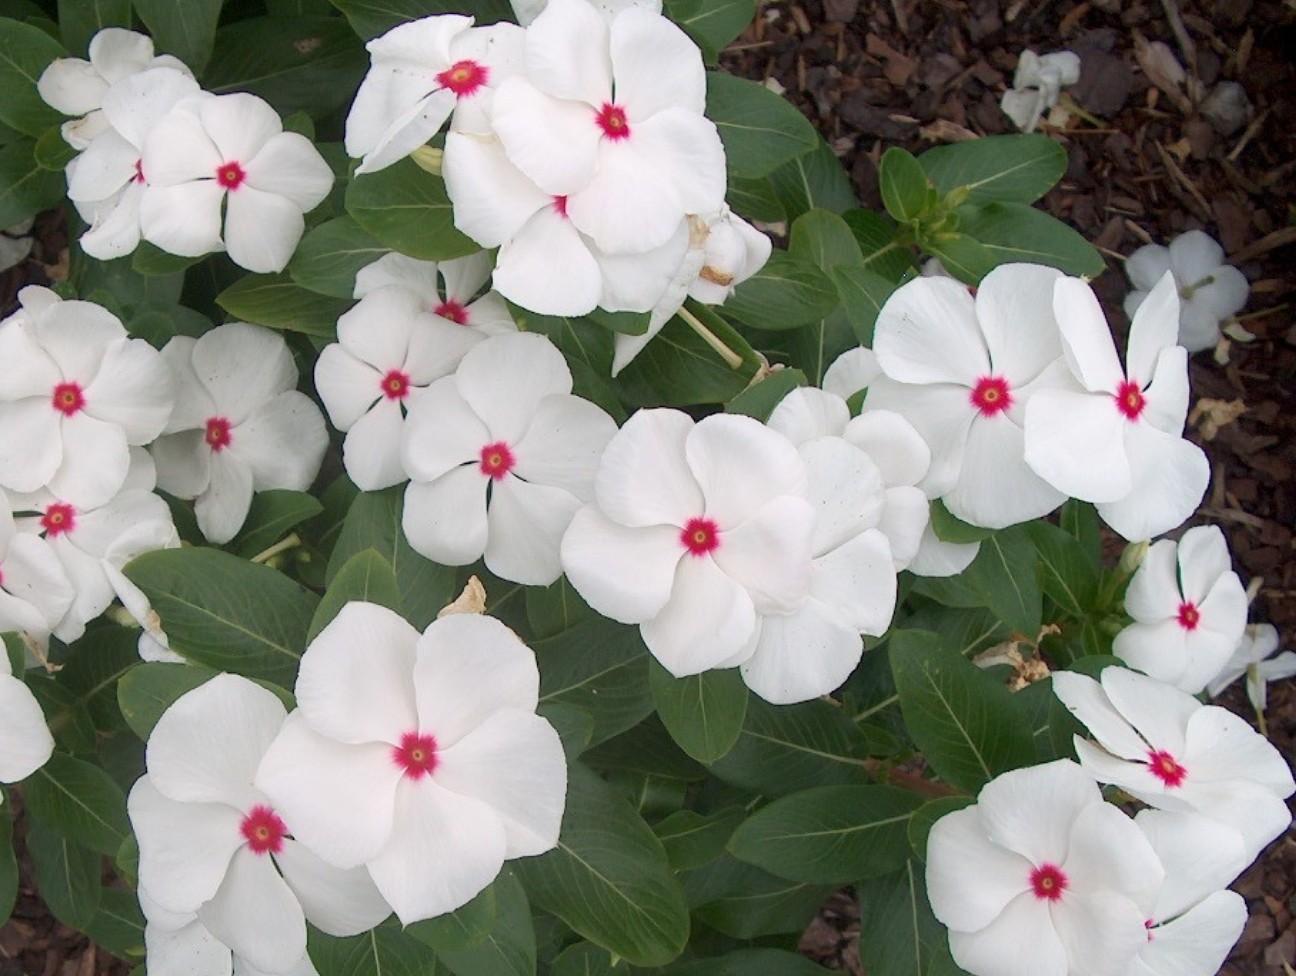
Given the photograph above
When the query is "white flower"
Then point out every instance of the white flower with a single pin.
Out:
(75, 392)
(389, 350)
(34, 589)
(1117, 442)
(1041, 877)
(611, 119)
(153, 644)
(500, 457)
(1209, 290)
(1251, 657)
(229, 153)
(1165, 748)
(421, 71)
(696, 529)
(1189, 611)
(963, 371)
(1194, 923)
(211, 844)
(25, 740)
(460, 279)
(77, 87)
(1037, 85)
(106, 181)
(420, 756)
(239, 425)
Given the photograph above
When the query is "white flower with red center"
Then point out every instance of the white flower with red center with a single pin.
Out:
(1041, 877)
(228, 153)
(610, 118)
(239, 425)
(696, 529)
(1210, 291)
(34, 589)
(545, 263)
(500, 457)
(401, 757)
(212, 845)
(389, 349)
(106, 181)
(420, 72)
(1194, 923)
(75, 86)
(1189, 611)
(1165, 748)
(446, 288)
(76, 391)
(25, 740)
(1118, 440)
(1252, 658)
(962, 371)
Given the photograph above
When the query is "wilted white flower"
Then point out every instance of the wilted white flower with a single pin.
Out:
(1252, 658)
(1209, 290)
(1037, 85)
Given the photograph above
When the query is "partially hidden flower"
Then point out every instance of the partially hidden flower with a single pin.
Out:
(34, 589)
(1210, 291)
(1037, 86)
(419, 756)
(1252, 657)
(25, 740)
(446, 288)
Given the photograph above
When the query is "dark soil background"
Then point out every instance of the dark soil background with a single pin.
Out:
(1146, 164)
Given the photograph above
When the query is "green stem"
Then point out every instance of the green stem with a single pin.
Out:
(283, 545)
(731, 358)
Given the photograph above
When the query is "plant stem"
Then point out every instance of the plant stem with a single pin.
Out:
(731, 358)
(283, 545)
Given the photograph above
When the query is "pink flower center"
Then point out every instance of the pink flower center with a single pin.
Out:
(1166, 768)
(991, 395)
(1189, 615)
(416, 754)
(230, 175)
(1048, 881)
(612, 120)
(68, 398)
(464, 77)
(395, 385)
(700, 536)
(263, 830)
(452, 310)
(59, 518)
(496, 460)
(218, 433)
(139, 171)
(1148, 925)
(1130, 400)
(560, 205)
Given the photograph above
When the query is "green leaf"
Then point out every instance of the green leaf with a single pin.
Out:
(599, 666)
(609, 878)
(26, 188)
(679, 369)
(77, 731)
(79, 20)
(964, 257)
(465, 926)
(278, 302)
(509, 947)
(8, 864)
(1006, 575)
(704, 712)
(186, 29)
(67, 875)
(407, 209)
(123, 282)
(862, 293)
(646, 748)
(813, 179)
(963, 720)
(879, 242)
(383, 951)
(329, 256)
(575, 726)
(711, 23)
(25, 51)
(745, 902)
(79, 801)
(93, 665)
(374, 520)
(760, 399)
(899, 936)
(148, 690)
(829, 835)
(297, 64)
(1009, 169)
(555, 608)
(52, 151)
(761, 130)
(369, 18)
(272, 514)
(366, 576)
(756, 199)
(692, 839)
(1067, 575)
(825, 240)
(786, 293)
(906, 191)
(748, 962)
(1020, 232)
(118, 924)
(920, 824)
(785, 748)
(227, 613)
(149, 259)
(948, 528)
(585, 959)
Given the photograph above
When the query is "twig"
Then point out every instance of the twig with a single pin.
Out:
(1182, 178)
(1180, 32)
(1276, 239)
(1251, 130)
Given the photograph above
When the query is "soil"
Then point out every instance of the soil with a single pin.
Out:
(1148, 160)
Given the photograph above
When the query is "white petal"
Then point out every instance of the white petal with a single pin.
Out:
(441, 433)
(191, 949)
(995, 487)
(1200, 855)
(371, 449)
(851, 372)
(72, 85)
(524, 268)
(1222, 746)
(903, 522)
(927, 332)
(802, 655)
(261, 229)
(563, 445)
(1196, 943)
(138, 102)
(103, 169)
(1031, 810)
(256, 914)
(1146, 265)
(937, 558)
(1169, 476)
(1102, 931)
(1153, 593)
(1076, 442)
(409, 130)
(492, 199)
(239, 124)
(347, 385)
(25, 740)
(655, 65)
(1226, 294)
(858, 581)
(769, 553)
(31, 432)
(741, 465)
(339, 902)
(1087, 701)
(1086, 338)
(845, 488)
(807, 413)
(552, 140)
(1194, 255)
(526, 525)
(1014, 307)
(133, 389)
(283, 442)
(289, 166)
(1021, 941)
(942, 414)
(624, 573)
(222, 508)
(1203, 561)
(707, 620)
(95, 461)
(183, 463)
(1155, 327)
(644, 478)
(970, 879)
(445, 519)
(179, 150)
(183, 219)
(1108, 853)
(892, 443)
(504, 379)
(567, 52)
(1158, 712)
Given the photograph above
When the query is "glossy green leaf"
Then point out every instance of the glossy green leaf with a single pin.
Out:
(748, 962)
(692, 839)
(366, 577)
(703, 712)
(147, 690)
(949, 528)
(1009, 169)
(825, 240)
(1066, 574)
(679, 369)
(920, 823)
(586, 959)
(465, 926)
(599, 666)
(906, 191)
(761, 130)
(278, 302)
(1006, 575)
(756, 199)
(329, 256)
(407, 209)
(79, 20)
(711, 23)
(898, 934)
(814, 179)
(186, 29)
(79, 801)
(91, 669)
(68, 875)
(370, 18)
(879, 241)
(118, 924)
(862, 293)
(1020, 232)
(383, 951)
(509, 946)
(786, 293)
(149, 259)
(744, 902)
(555, 608)
(272, 515)
(964, 257)
(26, 188)
(760, 399)
(227, 613)
(8, 863)
(961, 718)
(52, 151)
(25, 51)
(609, 878)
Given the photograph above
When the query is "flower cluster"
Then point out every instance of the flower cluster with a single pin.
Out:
(186, 170)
